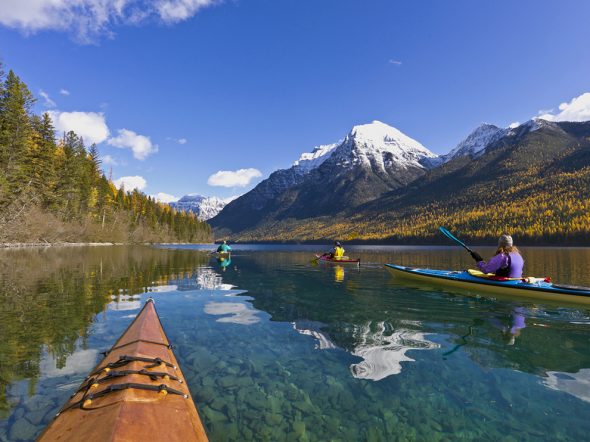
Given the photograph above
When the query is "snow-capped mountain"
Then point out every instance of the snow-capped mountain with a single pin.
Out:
(371, 160)
(373, 144)
(204, 207)
(382, 146)
(476, 141)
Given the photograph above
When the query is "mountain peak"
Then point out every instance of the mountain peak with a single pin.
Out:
(377, 131)
(381, 145)
(532, 125)
(476, 141)
(379, 134)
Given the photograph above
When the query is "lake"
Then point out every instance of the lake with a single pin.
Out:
(277, 347)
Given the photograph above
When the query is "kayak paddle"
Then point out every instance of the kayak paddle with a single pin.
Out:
(451, 236)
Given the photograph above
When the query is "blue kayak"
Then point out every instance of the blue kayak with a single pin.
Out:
(474, 280)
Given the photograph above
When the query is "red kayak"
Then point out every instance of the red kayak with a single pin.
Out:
(343, 260)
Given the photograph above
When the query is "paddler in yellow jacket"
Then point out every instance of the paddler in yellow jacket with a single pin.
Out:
(338, 251)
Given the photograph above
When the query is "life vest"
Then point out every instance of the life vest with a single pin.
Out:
(505, 271)
(338, 252)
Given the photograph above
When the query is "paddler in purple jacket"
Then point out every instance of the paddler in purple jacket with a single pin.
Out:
(506, 262)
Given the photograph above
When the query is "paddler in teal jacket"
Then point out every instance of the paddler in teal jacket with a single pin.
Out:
(506, 262)
(223, 248)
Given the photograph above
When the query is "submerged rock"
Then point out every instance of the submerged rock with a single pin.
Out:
(35, 403)
(22, 429)
(214, 416)
(36, 417)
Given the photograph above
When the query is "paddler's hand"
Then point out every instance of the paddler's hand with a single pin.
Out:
(476, 256)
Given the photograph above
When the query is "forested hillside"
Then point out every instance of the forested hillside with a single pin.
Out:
(54, 190)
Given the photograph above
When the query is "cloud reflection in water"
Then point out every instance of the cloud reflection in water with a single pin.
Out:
(240, 313)
(577, 384)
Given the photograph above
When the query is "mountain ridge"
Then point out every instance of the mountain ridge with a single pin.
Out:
(518, 174)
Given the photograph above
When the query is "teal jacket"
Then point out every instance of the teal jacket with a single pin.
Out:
(224, 248)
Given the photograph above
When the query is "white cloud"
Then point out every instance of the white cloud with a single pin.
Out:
(108, 160)
(514, 125)
(130, 182)
(238, 178)
(178, 140)
(576, 110)
(88, 19)
(140, 145)
(165, 197)
(172, 11)
(47, 101)
(395, 62)
(64, 92)
(91, 126)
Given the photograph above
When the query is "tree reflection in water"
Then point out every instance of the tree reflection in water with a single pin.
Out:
(49, 297)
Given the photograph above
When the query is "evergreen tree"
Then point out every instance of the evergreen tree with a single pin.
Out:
(15, 133)
(41, 158)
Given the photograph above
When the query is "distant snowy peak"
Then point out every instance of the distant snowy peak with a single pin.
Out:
(204, 207)
(477, 141)
(311, 160)
(379, 144)
(486, 134)
(531, 126)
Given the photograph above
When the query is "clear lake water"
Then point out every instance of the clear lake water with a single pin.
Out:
(277, 347)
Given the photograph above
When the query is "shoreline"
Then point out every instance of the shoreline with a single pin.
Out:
(23, 245)
(31, 245)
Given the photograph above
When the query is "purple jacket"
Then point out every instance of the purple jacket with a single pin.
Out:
(500, 261)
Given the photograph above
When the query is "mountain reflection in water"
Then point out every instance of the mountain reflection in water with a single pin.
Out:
(383, 349)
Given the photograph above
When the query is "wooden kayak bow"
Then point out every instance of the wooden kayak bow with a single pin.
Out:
(136, 393)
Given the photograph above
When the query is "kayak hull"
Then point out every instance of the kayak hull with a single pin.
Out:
(337, 261)
(462, 280)
(136, 406)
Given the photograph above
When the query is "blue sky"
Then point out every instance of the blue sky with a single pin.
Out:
(187, 88)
